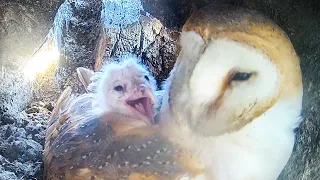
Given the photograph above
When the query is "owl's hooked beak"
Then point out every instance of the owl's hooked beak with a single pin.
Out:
(141, 103)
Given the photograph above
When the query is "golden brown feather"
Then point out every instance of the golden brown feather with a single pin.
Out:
(112, 147)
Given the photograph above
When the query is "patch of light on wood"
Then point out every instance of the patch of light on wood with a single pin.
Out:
(40, 62)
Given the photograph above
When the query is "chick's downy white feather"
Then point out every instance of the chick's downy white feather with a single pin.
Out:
(126, 87)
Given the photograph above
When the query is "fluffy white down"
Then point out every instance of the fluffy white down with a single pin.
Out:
(260, 150)
(128, 72)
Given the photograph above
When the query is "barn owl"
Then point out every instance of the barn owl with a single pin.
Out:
(230, 107)
(235, 95)
(124, 88)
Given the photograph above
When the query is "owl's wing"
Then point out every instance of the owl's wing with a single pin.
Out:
(85, 75)
(68, 106)
(94, 148)
(64, 100)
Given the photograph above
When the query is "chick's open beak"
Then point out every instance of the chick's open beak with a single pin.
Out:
(142, 102)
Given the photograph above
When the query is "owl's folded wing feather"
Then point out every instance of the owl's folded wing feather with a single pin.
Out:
(94, 148)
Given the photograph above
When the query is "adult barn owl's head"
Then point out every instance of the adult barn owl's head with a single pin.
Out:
(234, 65)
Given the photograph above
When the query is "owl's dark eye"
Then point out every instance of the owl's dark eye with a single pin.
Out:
(147, 78)
(118, 88)
(241, 76)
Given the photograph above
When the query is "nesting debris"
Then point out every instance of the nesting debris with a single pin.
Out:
(21, 143)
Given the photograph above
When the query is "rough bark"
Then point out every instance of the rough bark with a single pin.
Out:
(23, 26)
(77, 28)
(122, 27)
(15, 93)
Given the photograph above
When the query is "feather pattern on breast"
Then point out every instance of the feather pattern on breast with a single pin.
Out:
(89, 146)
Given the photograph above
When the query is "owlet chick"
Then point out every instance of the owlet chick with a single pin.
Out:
(124, 89)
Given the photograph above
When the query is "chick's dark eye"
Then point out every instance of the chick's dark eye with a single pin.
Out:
(118, 88)
(241, 76)
(147, 78)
